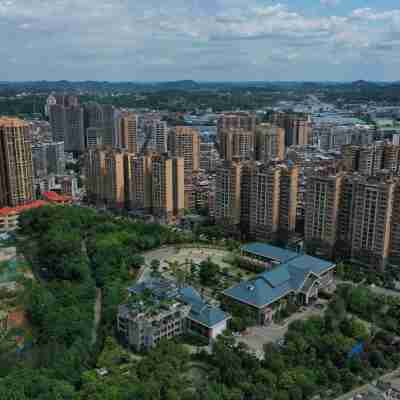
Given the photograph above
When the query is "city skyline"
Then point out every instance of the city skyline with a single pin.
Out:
(213, 40)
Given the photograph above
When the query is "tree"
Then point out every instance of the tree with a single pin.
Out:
(155, 267)
(208, 272)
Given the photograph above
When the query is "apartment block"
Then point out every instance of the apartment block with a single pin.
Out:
(288, 200)
(264, 202)
(227, 196)
(297, 126)
(322, 207)
(156, 135)
(237, 144)
(128, 126)
(372, 219)
(114, 179)
(239, 120)
(270, 142)
(168, 187)
(138, 182)
(16, 167)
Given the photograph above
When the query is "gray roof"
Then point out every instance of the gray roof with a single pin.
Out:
(268, 251)
(273, 284)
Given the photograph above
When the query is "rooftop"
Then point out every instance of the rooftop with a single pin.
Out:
(19, 209)
(273, 284)
(271, 252)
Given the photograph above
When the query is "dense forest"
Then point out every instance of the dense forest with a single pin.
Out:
(75, 252)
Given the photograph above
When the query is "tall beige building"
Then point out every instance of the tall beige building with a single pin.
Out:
(322, 207)
(298, 130)
(227, 196)
(237, 144)
(371, 218)
(138, 182)
(264, 202)
(395, 223)
(114, 180)
(94, 174)
(168, 187)
(270, 142)
(289, 185)
(184, 142)
(16, 168)
(367, 160)
(128, 125)
(105, 176)
(239, 120)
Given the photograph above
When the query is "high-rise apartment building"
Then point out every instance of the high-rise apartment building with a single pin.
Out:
(322, 208)
(128, 126)
(264, 202)
(55, 158)
(58, 122)
(395, 223)
(114, 179)
(75, 129)
(101, 116)
(371, 219)
(138, 182)
(16, 168)
(94, 137)
(209, 156)
(95, 171)
(367, 160)
(168, 187)
(184, 141)
(288, 198)
(270, 142)
(237, 144)
(239, 120)
(391, 158)
(298, 131)
(227, 196)
(156, 135)
(67, 122)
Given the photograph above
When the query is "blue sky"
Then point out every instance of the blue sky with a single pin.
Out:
(200, 39)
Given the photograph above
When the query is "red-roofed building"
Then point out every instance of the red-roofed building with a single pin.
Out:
(9, 215)
(54, 197)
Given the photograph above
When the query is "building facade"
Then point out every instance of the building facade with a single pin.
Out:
(16, 167)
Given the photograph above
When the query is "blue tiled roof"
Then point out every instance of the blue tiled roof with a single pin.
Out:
(312, 264)
(200, 310)
(268, 251)
(271, 285)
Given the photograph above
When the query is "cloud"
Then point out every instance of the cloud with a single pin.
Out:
(208, 39)
(330, 3)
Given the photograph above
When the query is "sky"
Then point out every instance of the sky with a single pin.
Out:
(204, 40)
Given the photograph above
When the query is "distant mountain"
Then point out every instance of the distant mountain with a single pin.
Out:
(183, 85)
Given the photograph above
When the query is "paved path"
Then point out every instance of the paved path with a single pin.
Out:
(365, 387)
(97, 315)
(258, 336)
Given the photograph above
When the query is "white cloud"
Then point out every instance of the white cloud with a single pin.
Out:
(330, 3)
(77, 39)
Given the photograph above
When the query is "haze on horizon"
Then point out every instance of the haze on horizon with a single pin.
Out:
(205, 40)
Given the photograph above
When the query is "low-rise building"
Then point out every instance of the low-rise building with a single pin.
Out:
(9, 215)
(295, 278)
(159, 309)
